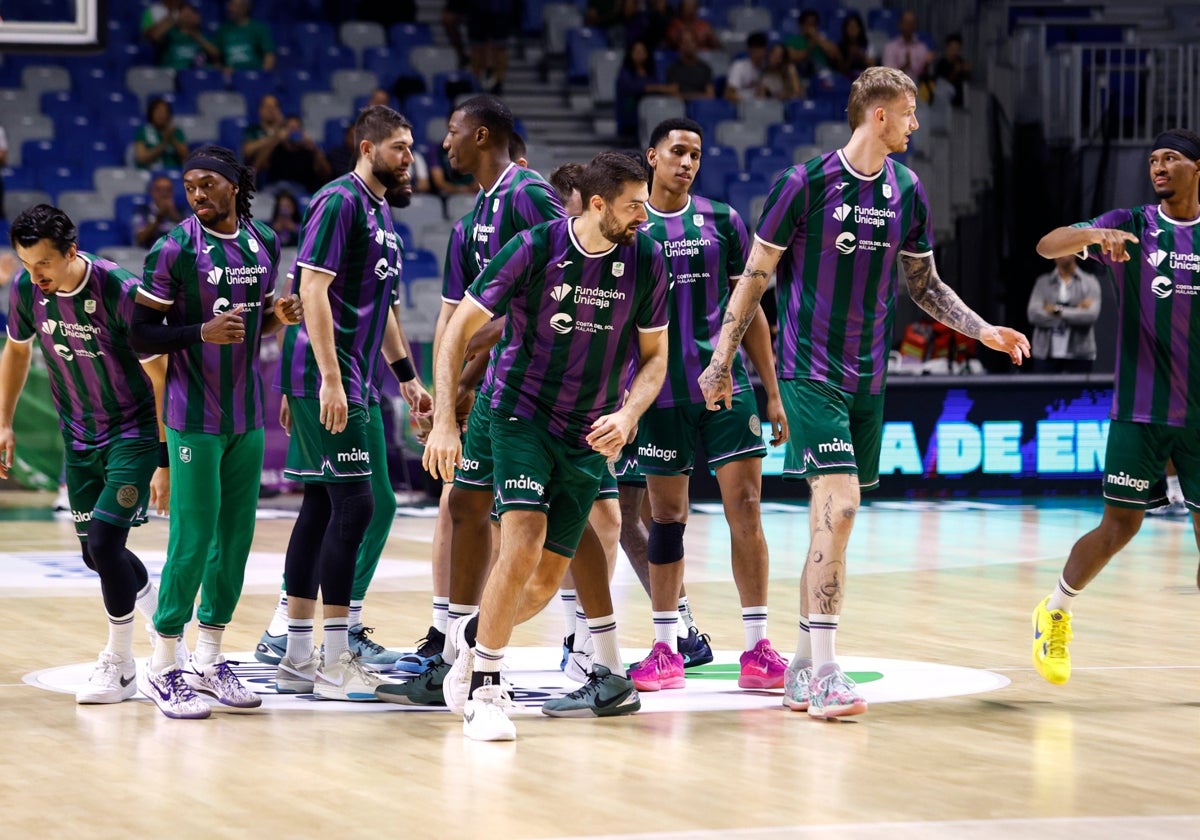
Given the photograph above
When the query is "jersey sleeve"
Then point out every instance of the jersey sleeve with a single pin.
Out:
(326, 228)
(1121, 219)
(454, 275)
(918, 239)
(159, 283)
(536, 203)
(499, 282)
(21, 328)
(784, 212)
(737, 246)
(652, 315)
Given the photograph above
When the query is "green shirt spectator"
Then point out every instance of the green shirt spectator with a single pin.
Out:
(245, 43)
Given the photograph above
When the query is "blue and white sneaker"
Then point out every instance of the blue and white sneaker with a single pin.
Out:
(371, 655)
(422, 658)
(695, 649)
(270, 648)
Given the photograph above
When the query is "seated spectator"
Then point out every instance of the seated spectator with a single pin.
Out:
(953, 67)
(158, 215)
(691, 76)
(379, 96)
(906, 51)
(258, 140)
(175, 28)
(779, 78)
(637, 78)
(746, 73)
(297, 159)
(809, 49)
(159, 143)
(245, 43)
(285, 218)
(855, 53)
(688, 20)
(447, 180)
(1063, 308)
(647, 21)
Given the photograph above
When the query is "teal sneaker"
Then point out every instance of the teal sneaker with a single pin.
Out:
(425, 689)
(270, 648)
(372, 656)
(605, 695)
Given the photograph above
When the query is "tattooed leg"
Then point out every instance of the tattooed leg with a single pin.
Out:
(831, 517)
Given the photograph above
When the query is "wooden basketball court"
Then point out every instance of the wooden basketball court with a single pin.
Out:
(1116, 752)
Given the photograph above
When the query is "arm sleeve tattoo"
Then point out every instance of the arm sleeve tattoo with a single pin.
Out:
(939, 300)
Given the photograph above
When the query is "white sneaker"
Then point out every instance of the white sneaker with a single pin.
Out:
(113, 679)
(171, 693)
(219, 681)
(485, 715)
(457, 686)
(345, 679)
(181, 649)
(579, 663)
(1175, 508)
(297, 677)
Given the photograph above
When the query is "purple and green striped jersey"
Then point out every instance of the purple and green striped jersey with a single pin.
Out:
(704, 245)
(842, 233)
(347, 233)
(571, 324)
(97, 382)
(375, 386)
(1158, 327)
(199, 273)
(456, 276)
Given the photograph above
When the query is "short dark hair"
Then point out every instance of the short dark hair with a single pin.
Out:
(41, 221)
(488, 111)
(608, 173)
(674, 124)
(565, 180)
(154, 103)
(809, 13)
(378, 123)
(516, 146)
(756, 39)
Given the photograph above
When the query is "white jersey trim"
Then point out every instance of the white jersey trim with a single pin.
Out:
(155, 299)
(673, 214)
(904, 253)
(652, 329)
(758, 238)
(479, 303)
(16, 340)
(1178, 222)
(317, 268)
(855, 172)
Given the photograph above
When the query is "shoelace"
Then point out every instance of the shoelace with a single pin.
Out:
(228, 680)
(592, 686)
(1060, 634)
(180, 687)
(356, 665)
(769, 656)
(370, 644)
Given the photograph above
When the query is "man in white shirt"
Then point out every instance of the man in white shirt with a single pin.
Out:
(745, 73)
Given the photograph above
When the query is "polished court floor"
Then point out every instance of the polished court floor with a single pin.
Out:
(1114, 753)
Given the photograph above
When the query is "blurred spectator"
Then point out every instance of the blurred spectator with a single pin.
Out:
(157, 215)
(453, 16)
(258, 140)
(175, 29)
(565, 180)
(953, 67)
(159, 143)
(606, 15)
(3, 163)
(779, 78)
(855, 53)
(637, 78)
(906, 51)
(418, 171)
(1063, 308)
(157, 20)
(745, 73)
(490, 23)
(285, 218)
(343, 156)
(690, 74)
(245, 43)
(379, 96)
(809, 49)
(688, 20)
(447, 180)
(297, 159)
(10, 267)
(647, 21)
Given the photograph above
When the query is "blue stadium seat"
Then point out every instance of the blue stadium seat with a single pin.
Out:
(406, 235)
(294, 83)
(709, 112)
(57, 179)
(230, 131)
(120, 56)
(421, 263)
(125, 207)
(323, 59)
(192, 83)
(40, 155)
(742, 189)
(421, 109)
(450, 86)
(716, 164)
(95, 234)
(581, 43)
(884, 20)
(59, 105)
(253, 85)
(123, 131)
(387, 63)
(335, 130)
(91, 76)
(402, 36)
(809, 111)
(114, 104)
(767, 161)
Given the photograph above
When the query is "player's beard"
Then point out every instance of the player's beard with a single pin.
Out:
(385, 176)
(614, 231)
(1165, 193)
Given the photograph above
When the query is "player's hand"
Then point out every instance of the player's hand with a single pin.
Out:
(285, 417)
(1006, 340)
(1112, 242)
(778, 418)
(716, 384)
(334, 408)
(420, 403)
(610, 433)
(8, 449)
(443, 451)
(289, 310)
(160, 491)
(227, 328)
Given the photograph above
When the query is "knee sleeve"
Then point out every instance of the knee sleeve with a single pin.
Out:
(665, 545)
(105, 544)
(352, 506)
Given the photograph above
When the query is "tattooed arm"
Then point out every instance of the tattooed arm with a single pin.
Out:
(715, 381)
(939, 300)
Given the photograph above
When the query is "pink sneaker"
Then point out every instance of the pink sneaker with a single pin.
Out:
(762, 667)
(661, 669)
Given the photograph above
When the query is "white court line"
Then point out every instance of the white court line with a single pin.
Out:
(1077, 828)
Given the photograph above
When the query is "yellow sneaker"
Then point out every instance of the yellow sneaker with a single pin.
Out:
(1051, 635)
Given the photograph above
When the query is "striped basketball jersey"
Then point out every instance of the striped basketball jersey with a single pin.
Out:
(704, 245)
(1158, 328)
(347, 233)
(97, 382)
(456, 275)
(842, 234)
(199, 273)
(573, 320)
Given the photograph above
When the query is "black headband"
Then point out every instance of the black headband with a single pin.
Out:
(213, 164)
(1179, 142)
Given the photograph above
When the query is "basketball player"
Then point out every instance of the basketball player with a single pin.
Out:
(1152, 253)
(843, 221)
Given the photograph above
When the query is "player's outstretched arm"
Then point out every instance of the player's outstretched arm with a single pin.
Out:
(940, 301)
(443, 449)
(14, 369)
(1063, 241)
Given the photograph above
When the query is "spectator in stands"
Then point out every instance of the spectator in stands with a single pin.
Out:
(10, 267)
(259, 140)
(953, 67)
(453, 16)
(159, 143)
(745, 73)
(418, 174)
(906, 51)
(1063, 309)
(565, 180)
(297, 159)
(285, 218)
(175, 28)
(157, 215)
(379, 96)
(809, 49)
(245, 43)
(637, 78)
(691, 75)
(779, 78)
(688, 20)
(489, 25)
(647, 21)
(447, 180)
(3, 163)
(343, 156)
(854, 49)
